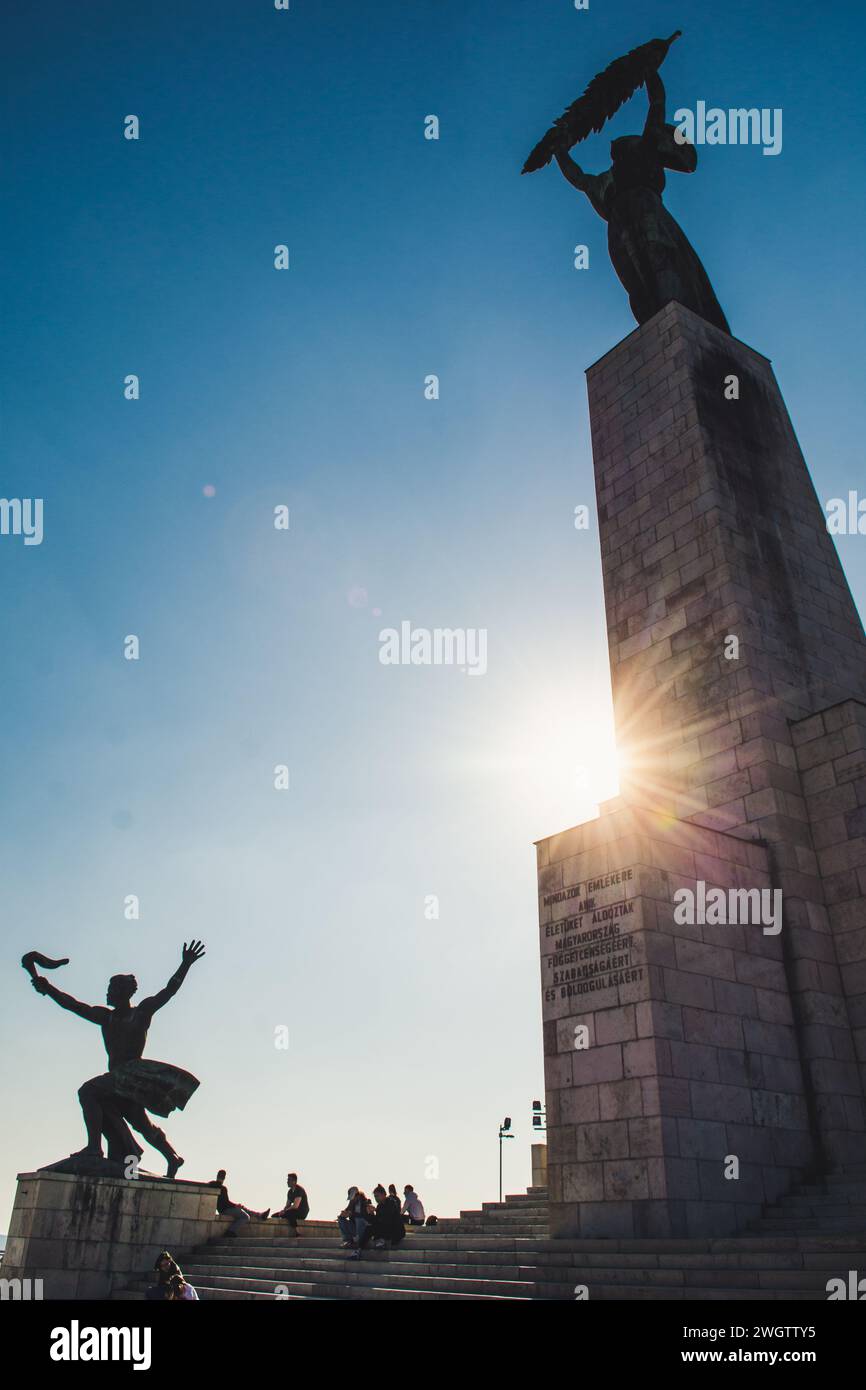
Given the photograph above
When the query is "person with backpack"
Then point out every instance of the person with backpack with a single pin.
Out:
(413, 1210)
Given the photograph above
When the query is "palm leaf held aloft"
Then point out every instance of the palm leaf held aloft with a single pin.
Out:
(603, 97)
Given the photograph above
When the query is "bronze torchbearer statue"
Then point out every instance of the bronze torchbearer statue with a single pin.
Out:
(650, 252)
(132, 1085)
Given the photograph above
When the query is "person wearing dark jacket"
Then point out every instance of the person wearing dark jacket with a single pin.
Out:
(165, 1268)
(241, 1216)
(355, 1219)
(387, 1226)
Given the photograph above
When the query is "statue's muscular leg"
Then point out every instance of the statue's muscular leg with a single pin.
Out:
(103, 1115)
(107, 1113)
(90, 1100)
(143, 1125)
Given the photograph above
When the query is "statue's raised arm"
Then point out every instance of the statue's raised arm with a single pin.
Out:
(190, 954)
(593, 185)
(655, 120)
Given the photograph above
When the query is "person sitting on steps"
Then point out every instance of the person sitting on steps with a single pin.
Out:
(387, 1228)
(165, 1268)
(355, 1217)
(413, 1210)
(297, 1207)
(241, 1216)
(181, 1291)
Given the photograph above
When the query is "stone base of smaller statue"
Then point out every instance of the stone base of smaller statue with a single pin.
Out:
(87, 1236)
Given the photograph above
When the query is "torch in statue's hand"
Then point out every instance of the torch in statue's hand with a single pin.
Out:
(34, 958)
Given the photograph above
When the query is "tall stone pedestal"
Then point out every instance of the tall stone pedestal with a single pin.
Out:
(85, 1237)
(539, 1165)
(696, 1066)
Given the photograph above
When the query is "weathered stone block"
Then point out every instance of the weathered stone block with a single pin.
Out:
(745, 774)
(88, 1236)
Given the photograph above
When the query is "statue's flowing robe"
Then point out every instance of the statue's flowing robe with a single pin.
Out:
(650, 252)
(158, 1086)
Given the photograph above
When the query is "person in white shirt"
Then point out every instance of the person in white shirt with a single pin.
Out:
(181, 1291)
(412, 1209)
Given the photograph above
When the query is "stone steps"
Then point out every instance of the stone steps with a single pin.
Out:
(500, 1218)
(533, 1215)
(134, 1295)
(521, 1199)
(816, 1196)
(362, 1274)
(839, 1197)
(497, 1253)
(463, 1247)
(514, 1200)
(343, 1292)
(788, 1226)
(445, 1241)
(834, 1204)
(507, 1219)
(544, 1264)
(818, 1210)
(530, 1282)
(616, 1293)
(538, 1230)
(599, 1292)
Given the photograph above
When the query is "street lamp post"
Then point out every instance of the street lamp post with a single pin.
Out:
(504, 1129)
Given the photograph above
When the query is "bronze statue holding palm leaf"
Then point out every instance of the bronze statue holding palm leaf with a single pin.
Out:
(650, 252)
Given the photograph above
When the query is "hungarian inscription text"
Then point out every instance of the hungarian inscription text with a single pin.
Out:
(593, 947)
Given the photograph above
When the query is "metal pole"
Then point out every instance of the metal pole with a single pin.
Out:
(500, 1164)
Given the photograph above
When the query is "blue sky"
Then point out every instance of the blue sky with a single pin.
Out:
(409, 1037)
